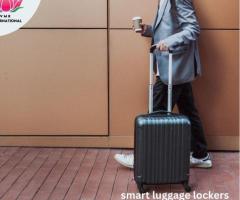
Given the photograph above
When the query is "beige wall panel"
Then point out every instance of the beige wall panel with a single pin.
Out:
(122, 11)
(55, 141)
(54, 82)
(71, 13)
(211, 13)
(229, 143)
(218, 13)
(128, 79)
(216, 92)
(214, 142)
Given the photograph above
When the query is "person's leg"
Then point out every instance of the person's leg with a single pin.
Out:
(160, 95)
(187, 107)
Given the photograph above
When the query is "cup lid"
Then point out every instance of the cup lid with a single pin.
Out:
(137, 17)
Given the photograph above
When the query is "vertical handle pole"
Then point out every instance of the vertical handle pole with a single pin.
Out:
(150, 98)
(170, 83)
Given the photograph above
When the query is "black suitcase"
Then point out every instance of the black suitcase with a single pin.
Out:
(161, 143)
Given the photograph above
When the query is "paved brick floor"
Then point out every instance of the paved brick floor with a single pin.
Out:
(86, 174)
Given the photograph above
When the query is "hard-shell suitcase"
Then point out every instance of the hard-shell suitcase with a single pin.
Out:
(162, 142)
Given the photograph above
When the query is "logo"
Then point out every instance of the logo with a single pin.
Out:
(14, 14)
(10, 5)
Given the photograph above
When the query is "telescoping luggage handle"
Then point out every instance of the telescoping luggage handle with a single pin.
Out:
(169, 106)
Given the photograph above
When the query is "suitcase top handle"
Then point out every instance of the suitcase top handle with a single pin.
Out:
(152, 48)
(172, 50)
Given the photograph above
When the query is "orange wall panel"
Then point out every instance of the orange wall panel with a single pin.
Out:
(76, 14)
(216, 91)
(218, 14)
(122, 12)
(54, 82)
(215, 14)
(128, 79)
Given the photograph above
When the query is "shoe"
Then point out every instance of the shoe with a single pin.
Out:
(201, 162)
(125, 160)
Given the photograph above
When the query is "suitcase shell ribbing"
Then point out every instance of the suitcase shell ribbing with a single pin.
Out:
(162, 148)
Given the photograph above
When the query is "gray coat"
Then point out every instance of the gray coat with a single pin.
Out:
(177, 25)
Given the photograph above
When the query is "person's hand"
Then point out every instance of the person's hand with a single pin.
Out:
(162, 46)
(144, 27)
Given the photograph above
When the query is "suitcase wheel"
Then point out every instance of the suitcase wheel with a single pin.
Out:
(141, 188)
(186, 186)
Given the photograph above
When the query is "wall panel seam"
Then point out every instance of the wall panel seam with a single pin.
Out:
(63, 28)
(204, 29)
(108, 63)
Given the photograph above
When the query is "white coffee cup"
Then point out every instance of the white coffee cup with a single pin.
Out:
(137, 21)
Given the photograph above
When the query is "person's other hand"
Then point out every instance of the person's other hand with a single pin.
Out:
(162, 46)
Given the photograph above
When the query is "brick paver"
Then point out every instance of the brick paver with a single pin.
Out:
(93, 174)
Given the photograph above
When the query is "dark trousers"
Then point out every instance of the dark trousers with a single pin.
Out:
(183, 97)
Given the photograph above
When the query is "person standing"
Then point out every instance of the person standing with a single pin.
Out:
(176, 25)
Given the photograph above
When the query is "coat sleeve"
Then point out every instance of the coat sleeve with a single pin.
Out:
(188, 22)
(148, 32)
